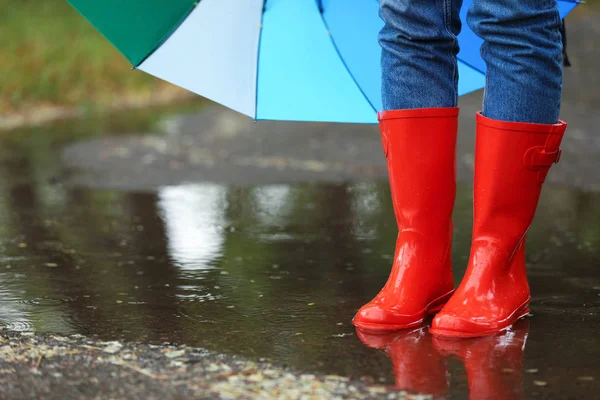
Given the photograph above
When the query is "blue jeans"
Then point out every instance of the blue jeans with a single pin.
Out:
(522, 50)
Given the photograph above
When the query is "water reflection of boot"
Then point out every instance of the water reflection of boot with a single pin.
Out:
(493, 364)
(418, 367)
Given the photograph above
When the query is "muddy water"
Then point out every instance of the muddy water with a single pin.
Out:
(277, 272)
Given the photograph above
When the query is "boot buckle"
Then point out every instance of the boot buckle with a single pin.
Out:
(558, 156)
(537, 157)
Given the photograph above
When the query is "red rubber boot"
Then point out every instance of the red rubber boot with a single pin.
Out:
(420, 147)
(418, 365)
(511, 162)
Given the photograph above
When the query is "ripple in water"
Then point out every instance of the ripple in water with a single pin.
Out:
(23, 314)
(42, 302)
(17, 325)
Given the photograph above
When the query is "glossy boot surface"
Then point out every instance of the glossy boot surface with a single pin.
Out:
(511, 163)
(418, 366)
(420, 147)
(493, 364)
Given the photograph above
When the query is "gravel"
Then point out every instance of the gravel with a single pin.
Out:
(76, 367)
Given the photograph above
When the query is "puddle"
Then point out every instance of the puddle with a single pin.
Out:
(277, 272)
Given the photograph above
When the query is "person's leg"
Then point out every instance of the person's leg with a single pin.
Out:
(517, 141)
(522, 50)
(418, 58)
(418, 129)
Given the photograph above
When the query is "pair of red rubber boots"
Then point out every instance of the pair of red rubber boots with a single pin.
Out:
(512, 160)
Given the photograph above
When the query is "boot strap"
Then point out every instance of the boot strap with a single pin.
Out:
(537, 157)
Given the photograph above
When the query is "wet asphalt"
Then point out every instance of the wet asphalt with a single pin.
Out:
(261, 240)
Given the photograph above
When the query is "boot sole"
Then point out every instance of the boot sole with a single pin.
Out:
(520, 312)
(432, 308)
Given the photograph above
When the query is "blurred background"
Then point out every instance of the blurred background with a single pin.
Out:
(55, 64)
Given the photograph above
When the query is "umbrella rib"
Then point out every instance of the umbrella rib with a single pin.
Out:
(260, 33)
(344, 63)
(469, 65)
(168, 35)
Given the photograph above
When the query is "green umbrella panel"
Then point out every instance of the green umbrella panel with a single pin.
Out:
(135, 27)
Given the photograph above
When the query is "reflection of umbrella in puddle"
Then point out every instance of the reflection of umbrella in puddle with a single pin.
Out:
(493, 364)
(269, 59)
(194, 216)
(418, 367)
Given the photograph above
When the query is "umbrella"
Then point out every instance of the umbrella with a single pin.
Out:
(300, 60)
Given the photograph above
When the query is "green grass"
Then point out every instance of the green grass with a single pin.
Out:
(52, 55)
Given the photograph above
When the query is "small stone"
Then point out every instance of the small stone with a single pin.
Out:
(213, 368)
(540, 383)
(22, 245)
(532, 370)
(174, 354)
(336, 378)
(112, 348)
(289, 377)
(255, 378)
(311, 304)
(268, 385)
(377, 390)
(51, 265)
(119, 301)
(224, 273)
(421, 397)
